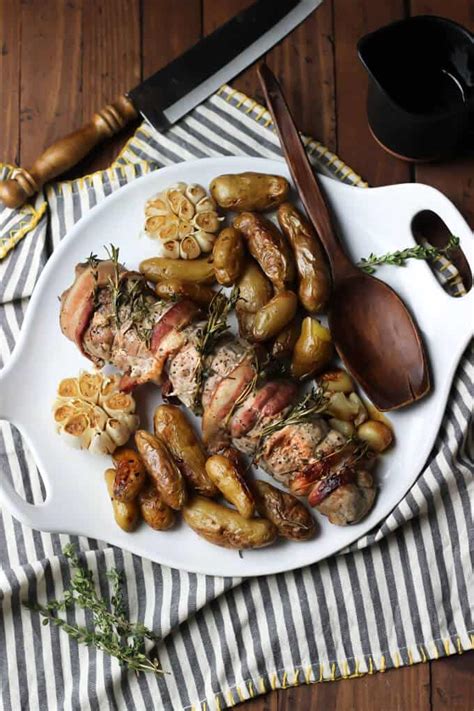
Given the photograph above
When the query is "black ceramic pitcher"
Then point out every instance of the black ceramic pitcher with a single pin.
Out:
(421, 89)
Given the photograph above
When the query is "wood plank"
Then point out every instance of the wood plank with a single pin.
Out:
(454, 177)
(168, 31)
(452, 684)
(393, 690)
(303, 61)
(10, 58)
(50, 100)
(111, 64)
(355, 144)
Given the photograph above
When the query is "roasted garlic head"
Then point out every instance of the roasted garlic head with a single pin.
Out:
(185, 220)
(90, 412)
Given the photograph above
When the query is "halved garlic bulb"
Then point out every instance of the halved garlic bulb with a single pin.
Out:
(177, 215)
(90, 412)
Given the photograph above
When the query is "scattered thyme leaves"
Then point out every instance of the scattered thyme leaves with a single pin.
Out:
(111, 631)
(401, 256)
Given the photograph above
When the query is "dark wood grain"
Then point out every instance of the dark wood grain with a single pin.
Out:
(10, 32)
(452, 684)
(111, 64)
(50, 57)
(61, 60)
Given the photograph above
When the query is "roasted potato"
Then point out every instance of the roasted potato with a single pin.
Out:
(226, 476)
(377, 435)
(290, 516)
(285, 341)
(229, 256)
(153, 509)
(225, 527)
(126, 514)
(254, 289)
(158, 269)
(172, 426)
(275, 315)
(172, 288)
(246, 322)
(130, 475)
(249, 191)
(314, 283)
(313, 350)
(268, 246)
(162, 468)
(348, 408)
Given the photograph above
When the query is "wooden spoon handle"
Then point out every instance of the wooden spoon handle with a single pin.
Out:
(303, 175)
(67, 152)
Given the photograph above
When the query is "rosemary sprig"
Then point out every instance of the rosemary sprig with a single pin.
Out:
(313, 403)
(112, 632)
(400, 257)
(208, 335)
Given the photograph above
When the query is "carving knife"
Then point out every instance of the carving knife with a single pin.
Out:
(172, 92)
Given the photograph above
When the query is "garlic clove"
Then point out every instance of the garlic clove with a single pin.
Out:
(118, 402)
(205, 240)
(207, 204)
(69, 387)
(171, 249)
(195, 193)
(185, 229)
(189, 248)
(101, 443)
(89, 386)
(207, 221)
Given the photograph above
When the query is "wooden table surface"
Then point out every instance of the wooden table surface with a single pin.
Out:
(60, 60)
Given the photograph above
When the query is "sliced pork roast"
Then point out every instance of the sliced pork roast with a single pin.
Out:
(115, 318)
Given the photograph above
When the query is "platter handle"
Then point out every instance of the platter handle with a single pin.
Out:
(433, 200)
(38, 516)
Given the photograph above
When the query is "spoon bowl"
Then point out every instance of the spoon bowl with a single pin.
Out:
(371, 327)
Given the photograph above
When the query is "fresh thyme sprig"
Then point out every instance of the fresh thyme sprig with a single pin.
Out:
(313, 403)
(208, 335)
(400, 257)
(112, 632)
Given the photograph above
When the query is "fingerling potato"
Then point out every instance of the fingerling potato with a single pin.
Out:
(275, 315)
(313, 350)
(314, 283)
(249, 191)
(172, 426)
(255, 290)
(225, 527)
(290, 516)
(153, 509)
(285, 341)
(230, 482)
(130, 475)
(195, 270)
(171, 288)
(229, 256)
(268, 246)
(246, 323)
(162, 468)
(126, 514)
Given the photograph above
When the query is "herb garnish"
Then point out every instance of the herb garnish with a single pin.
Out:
(208, 335)
(112, 632)
(313, 403)
(131, 304)
(400, 257)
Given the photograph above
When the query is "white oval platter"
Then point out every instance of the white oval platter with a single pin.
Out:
(370, 220)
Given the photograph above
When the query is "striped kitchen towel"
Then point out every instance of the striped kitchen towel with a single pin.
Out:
(401, 595)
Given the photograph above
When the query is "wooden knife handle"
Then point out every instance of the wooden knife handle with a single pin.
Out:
(67, 152)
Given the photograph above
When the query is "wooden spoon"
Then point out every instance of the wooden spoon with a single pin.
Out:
(371, 327)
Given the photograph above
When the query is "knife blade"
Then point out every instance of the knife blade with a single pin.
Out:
(169, 94)
(173, 91)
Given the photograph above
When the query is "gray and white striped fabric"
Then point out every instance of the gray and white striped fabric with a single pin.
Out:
(401, 595)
